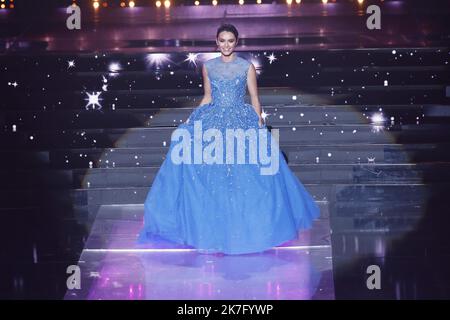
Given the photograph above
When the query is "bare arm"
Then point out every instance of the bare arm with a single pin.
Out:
(253, 91)
(206, 87)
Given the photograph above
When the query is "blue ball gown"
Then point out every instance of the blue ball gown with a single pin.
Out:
(223, 206)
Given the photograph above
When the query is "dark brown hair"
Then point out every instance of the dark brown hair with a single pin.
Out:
(227, 27)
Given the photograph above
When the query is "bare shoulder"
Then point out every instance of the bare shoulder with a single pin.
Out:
(250, 68)
(207, 64)
(205, 67)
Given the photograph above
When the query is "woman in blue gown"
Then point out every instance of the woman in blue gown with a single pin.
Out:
(208, 193)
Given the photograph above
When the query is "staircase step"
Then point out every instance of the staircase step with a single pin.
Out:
(301, 154)
(277, 115)
(409, 193)
(176, 98)
(113, 234)
(397, 243)
(361, 75)
(343, 58)
(112, 230)
(85, 215)
(307, 173)
(289, 135)
(378, 209)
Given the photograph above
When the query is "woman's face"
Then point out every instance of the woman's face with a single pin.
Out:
(226, 41)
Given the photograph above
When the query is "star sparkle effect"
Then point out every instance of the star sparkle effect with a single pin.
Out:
(94, 274)
(271, 58)
(264, 115)
(70, 64)
(377, 118)
(156, 59)
(192, 58)
(114, 69)
(377, 121)
(94, 100)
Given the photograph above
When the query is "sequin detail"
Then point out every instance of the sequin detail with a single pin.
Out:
(228, 89)
(229, 208)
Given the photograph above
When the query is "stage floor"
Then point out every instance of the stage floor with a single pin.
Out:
(113, 267)
(277, 274)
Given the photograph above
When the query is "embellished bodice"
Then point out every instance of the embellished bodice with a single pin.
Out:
(228, 80)
(227, 108)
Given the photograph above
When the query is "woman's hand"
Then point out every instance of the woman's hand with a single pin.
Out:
(260, 121)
